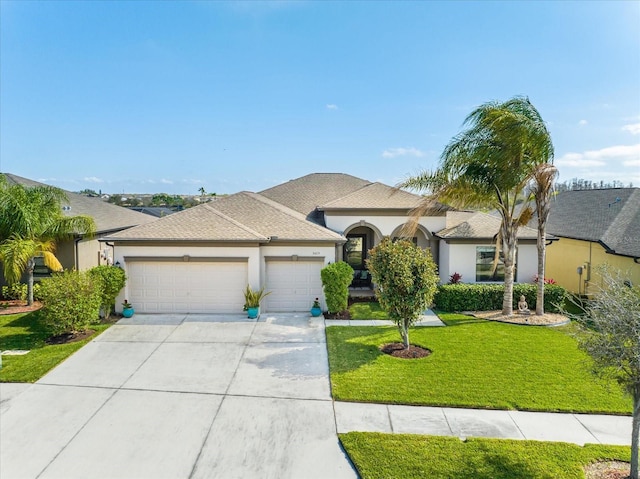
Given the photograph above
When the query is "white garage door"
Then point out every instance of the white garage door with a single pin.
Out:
(293, 285)
(186, 287)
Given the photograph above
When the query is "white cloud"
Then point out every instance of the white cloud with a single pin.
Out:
(191, 181)
(631, 163)
(93, 179)
(409, 151)
(166, 182)
(582, 122)
(633, 128)
(600, 157)
(331, 106)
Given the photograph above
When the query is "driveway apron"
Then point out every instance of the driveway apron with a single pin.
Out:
(182, 396)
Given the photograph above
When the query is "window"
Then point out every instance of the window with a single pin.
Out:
(485, 265)
(355, 250)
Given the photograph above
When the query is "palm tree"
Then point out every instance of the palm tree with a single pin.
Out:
(31, 221)
(544, 178)
(489, 165)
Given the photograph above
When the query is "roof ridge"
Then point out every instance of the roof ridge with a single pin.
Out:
(288, 211)
(235, 222)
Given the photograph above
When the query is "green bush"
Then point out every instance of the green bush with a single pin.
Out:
(488, 297)
(19, 291)
(336, 279)
(111, 280)
(71, 302)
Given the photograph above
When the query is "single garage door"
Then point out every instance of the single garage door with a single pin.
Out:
(293, 285)
(186, 287)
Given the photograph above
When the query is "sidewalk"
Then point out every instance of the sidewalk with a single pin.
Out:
(540, 426)
(429, 318)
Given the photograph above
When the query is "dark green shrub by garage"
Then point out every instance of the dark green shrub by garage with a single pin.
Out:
(71, 302)
(111, 279)
(336, 279)
(488, 297)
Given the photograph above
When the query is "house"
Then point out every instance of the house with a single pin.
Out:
(82, 252)
(594, 227)
(201, 259)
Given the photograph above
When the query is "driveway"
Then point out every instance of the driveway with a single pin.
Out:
(182, 396)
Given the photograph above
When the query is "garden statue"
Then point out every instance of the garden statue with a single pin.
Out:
(523, 307)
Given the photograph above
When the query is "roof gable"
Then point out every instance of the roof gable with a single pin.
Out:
(108, 217)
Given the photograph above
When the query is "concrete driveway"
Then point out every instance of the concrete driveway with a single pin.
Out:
(182, 396)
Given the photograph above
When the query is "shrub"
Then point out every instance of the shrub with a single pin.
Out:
(111, 280)
(336, 279)
(71, 302)
(455, 278)
(487, 297)
(19, 291)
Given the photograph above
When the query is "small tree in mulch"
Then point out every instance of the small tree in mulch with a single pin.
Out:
(611, 336)
(71, 302)
(336, 279)
(406, 280)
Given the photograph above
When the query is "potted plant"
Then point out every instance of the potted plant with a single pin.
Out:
(252, 301)
(127, 309)
(316, 310)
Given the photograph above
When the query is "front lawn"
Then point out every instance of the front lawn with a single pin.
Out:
(22, 331)
(370, 310)
(411, 456)
(474, 363)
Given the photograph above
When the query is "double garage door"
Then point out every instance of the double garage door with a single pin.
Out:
(186, 287)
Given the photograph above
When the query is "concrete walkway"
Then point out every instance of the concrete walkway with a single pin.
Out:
(429, 318)
(181, 396)
(541, 426)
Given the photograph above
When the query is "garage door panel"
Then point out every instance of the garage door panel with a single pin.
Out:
(293, 284)
(194, 287)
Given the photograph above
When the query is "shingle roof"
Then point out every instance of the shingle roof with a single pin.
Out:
(108, 217)
(480, 226)
(244, 216)
(200, 223)
(380, 196)
(308, 192)
(610, 216)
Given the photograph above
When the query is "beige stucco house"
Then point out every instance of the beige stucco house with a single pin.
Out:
(201, 259)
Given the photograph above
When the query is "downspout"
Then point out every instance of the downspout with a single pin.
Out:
(76, 253)
(113, 251)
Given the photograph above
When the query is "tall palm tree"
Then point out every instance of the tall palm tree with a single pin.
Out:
(544, 178)
(489, 165)
(31, 221)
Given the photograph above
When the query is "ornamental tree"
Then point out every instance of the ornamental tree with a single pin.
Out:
(611, 336)
(406, 281)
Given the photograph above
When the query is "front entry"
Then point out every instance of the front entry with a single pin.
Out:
(355, 254)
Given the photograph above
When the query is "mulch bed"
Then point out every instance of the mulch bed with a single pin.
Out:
(16, 306)
(547, 319)
(608, 470)
(70, 337)
(341, 315)
(397, 350)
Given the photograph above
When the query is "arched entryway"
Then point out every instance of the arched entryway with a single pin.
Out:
(361, 237)
(422, 238)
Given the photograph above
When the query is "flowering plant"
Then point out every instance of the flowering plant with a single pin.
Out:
(316, 303)
(126, 304)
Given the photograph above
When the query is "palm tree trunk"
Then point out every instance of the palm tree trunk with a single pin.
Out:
(635, 432)
(542, 251)
(509, 251)
(31, 264)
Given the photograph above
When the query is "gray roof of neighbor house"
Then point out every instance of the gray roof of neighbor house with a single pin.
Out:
(243, 216)
(306, 193)
(380, 196)
(156, 211)
(609, 216)
(108, 217)
(463, 225)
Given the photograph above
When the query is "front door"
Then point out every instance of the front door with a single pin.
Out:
(355, 250)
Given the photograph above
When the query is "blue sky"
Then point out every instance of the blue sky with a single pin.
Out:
(173, 96)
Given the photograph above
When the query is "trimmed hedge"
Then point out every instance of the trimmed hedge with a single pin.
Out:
(336, 278)
(488, 297)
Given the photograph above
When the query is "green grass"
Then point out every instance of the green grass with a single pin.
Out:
(379, 456)
(474, 363)
(370, 310)
(23, 331)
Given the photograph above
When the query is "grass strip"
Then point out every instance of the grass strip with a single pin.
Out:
(378, 456)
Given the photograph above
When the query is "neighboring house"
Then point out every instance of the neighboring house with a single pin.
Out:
(201, 259)
(156, 211)
(83, 252)
(594, 227)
